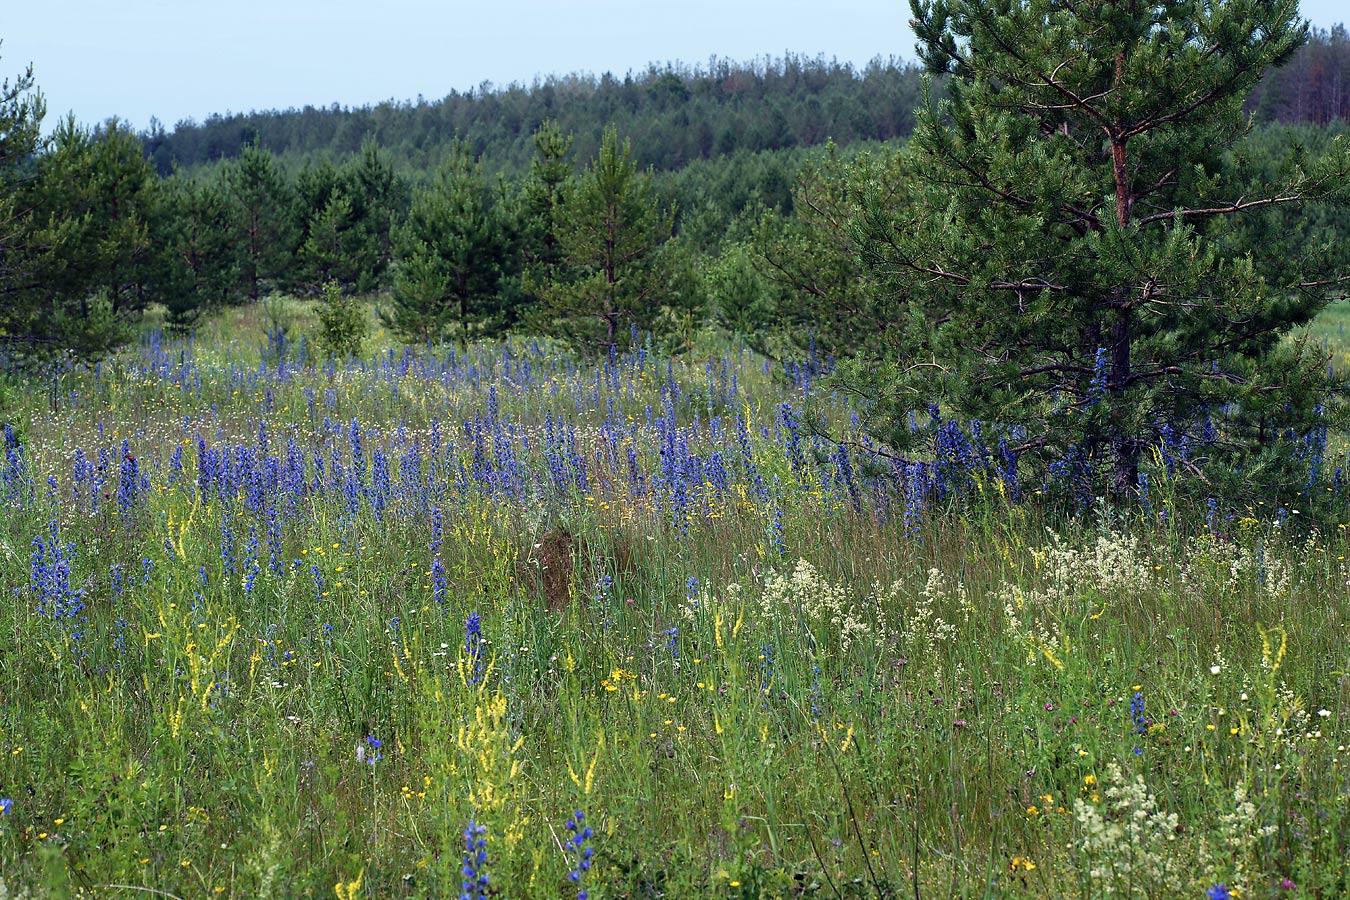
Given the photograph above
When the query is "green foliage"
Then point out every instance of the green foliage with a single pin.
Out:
(453, 256)
(21, 112)
(540, 206)
(94, 199)
(379, 200)
(816, 291)
(1312, 87)
(611, 234)
(1077, 260)
(344, 218)
(676, 115)
(328, 250)
(343, 324)
(199, 269)
(262, 230)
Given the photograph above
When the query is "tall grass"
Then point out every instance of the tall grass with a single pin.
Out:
(225, 672)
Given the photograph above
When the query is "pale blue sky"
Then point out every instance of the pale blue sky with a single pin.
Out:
(175, 59)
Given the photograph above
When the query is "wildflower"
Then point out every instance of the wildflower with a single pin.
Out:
(1141, 721)
(473, 647)
(475, 877)
(373, 755)
(580, 854)
(6, 804)
(1219, 892)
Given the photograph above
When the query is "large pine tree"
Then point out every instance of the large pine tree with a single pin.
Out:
(1077, 259)
(94, 199)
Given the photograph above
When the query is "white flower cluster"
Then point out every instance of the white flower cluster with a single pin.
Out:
(808, 599)
(924, 627)
(1236, 839)
(1221, 567)
(1126, 838)
(6, 895)
(1111, 566)
(1041, 633)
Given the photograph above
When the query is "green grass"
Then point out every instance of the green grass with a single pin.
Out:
(940, 708)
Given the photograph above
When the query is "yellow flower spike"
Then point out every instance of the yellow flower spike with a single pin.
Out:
(1273, 666)
(349, 890)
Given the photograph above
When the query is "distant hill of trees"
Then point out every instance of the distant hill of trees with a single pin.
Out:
(673, 114)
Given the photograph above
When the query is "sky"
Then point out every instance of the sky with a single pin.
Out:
(180, 59)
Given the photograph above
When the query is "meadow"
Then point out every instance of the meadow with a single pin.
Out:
(497, 622)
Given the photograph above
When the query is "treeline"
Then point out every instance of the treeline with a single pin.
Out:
(583, 249)
(1313, 87)
(581, 238)
(672, 114)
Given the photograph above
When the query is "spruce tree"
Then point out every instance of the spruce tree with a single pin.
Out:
(1077, 261)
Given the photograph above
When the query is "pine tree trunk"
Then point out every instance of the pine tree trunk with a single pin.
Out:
(1124, 446)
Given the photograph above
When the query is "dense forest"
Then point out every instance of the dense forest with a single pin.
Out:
(673, 115)
(1314, 86)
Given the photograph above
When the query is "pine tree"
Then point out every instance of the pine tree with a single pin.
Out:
(265, 234)
(451, 256)
(541, 205)
(1076, 260)
(330, 252)
(21, 112)
(198, 269)
(611, 234)
(379, 200)
(94, 198)
(816, 294)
